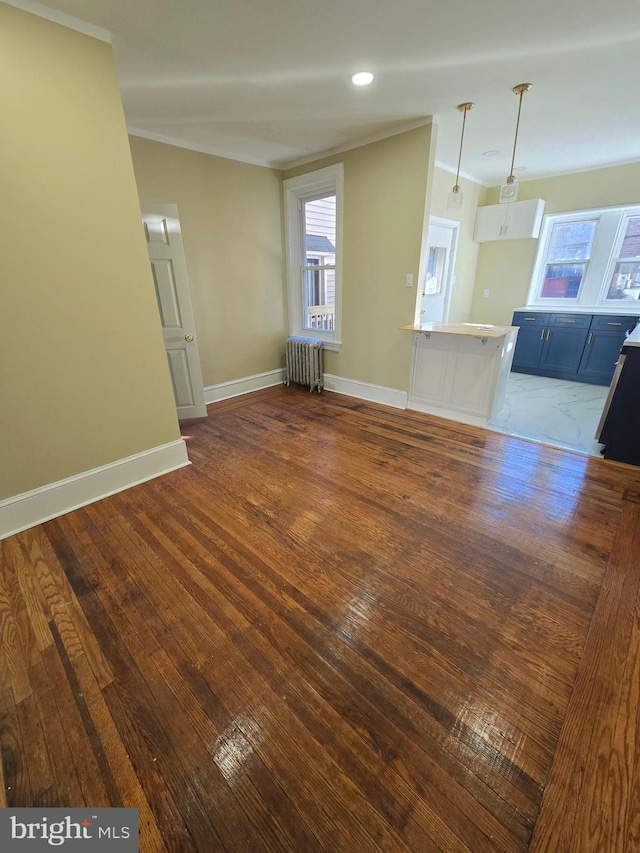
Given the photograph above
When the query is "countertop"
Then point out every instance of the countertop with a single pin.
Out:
(476, 330)
(630, 309)
(634, 338)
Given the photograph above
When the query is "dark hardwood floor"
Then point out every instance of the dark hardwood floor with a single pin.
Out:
(343, 628)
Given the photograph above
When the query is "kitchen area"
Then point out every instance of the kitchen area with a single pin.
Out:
(563, 367)
(568, 350)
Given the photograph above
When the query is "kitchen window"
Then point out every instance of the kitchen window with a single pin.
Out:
(624, 275)
(589, 259)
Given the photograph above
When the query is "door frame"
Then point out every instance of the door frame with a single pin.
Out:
(454, 225)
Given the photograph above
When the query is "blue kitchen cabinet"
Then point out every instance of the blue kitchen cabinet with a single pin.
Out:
(602, 350)
(532, 331)
(564, 342)
(578, 347)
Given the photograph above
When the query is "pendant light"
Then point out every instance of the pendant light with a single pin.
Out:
(509, 190)
(455, 196)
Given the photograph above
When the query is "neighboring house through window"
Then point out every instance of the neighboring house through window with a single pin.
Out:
(590, 259)
(313, 214)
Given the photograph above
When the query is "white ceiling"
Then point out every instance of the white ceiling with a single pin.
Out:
(268, 80)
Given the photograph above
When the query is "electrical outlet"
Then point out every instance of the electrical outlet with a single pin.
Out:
(409, 279)
(485, 293)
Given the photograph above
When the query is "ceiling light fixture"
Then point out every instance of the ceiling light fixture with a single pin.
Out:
(455, 196)
(362, 78)
(509, 190)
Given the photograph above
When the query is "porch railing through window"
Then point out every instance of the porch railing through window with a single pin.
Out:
(319, 293)
(321, 317)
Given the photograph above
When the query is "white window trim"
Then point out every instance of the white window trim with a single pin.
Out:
(595, 284)
(305, 187)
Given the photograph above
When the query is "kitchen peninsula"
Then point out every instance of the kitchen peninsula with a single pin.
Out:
(460, 370)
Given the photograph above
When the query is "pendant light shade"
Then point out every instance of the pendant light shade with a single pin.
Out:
(509, 189)
(455, 196)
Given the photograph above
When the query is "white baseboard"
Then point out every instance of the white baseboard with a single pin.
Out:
(236, 387)
(449, 414)
(349, 387)
(30, 508)
(366, 391)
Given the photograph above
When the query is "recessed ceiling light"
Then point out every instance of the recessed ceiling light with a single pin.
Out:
(491, 153)
(362, 78)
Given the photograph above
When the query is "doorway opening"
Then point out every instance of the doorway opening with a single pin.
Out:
(437, 271)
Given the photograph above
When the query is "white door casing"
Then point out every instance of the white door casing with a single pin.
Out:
(169, 270)
(436, 276)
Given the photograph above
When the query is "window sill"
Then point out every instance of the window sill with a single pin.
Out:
(327, 342)
(334, 346)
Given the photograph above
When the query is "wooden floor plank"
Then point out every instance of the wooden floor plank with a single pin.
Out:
(595, 758)
(66, 790)
(17, 788)
(37, 759)
(16, 649)
(342, 626)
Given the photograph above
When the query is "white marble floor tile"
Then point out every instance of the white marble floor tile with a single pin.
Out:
(552, 411)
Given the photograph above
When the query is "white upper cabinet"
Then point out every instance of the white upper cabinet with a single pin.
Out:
(509, 221)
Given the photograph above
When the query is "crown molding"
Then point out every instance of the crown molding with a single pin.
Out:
(447, 168)
(358, 143)
(201, 149)
(57, 17)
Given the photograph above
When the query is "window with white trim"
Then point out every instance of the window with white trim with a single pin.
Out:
(589, 258)
(313, 222)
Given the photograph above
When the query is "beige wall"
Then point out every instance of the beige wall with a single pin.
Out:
(83, 376)
(385, 185)
(467, 252)
(505, 267)
(230, 214)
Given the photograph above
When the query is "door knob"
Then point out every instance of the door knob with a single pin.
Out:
(188, 338)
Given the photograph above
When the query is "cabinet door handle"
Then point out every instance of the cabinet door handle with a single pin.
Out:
(590, 337)
(541, 334)
(567, 321)
(548, 333)
(614, 324)
(530, 318)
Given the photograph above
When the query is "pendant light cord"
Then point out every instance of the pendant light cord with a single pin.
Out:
(464, 120)
(464, 109)
(518, 90)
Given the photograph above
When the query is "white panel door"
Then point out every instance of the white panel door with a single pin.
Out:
(169, 270)
(437, 274)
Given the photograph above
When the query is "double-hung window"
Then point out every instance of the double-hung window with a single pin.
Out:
(313, 222)
(589, 259)
(623, 279)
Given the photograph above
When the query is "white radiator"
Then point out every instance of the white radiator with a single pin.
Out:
(304, 363)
